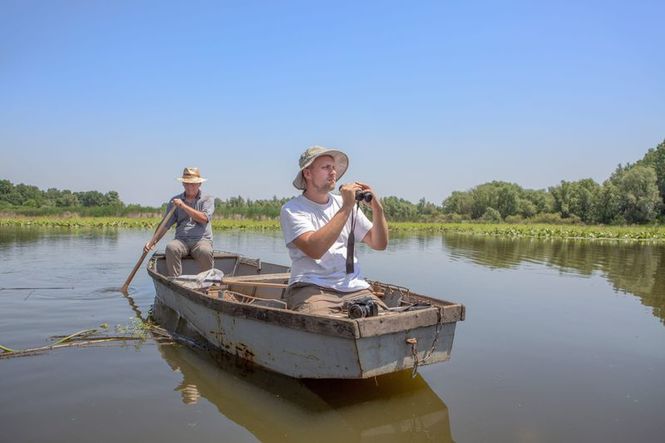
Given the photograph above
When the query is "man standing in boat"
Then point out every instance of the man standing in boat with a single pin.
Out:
(317, 225)
(193, 232)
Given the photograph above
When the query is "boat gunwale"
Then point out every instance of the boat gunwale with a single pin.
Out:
(441, 312)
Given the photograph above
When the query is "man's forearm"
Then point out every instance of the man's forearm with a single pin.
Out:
(379, 236)
(198, 216)
(316, 244)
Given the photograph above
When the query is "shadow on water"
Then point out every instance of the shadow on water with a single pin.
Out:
(634, 268)
(275, 408)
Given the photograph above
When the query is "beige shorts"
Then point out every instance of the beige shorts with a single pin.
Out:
(313, 299)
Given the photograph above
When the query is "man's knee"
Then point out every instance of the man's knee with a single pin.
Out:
(312, 299)
(202, 249)
(203, 254)
(176, 248)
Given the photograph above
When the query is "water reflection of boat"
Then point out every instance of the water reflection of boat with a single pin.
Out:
(390, 408)
(248, 319)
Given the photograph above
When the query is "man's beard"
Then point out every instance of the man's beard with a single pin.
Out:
(326, 187)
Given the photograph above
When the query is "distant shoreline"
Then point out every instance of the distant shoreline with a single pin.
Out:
(505, 230)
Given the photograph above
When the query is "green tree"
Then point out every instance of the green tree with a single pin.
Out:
(639, 195)
(67, 199)
(508, 196)
(491, 215)
(562, 197)
(607, 203)
(398, 209)
(575, 198)
(459, 202)
(656, 159)
(541, 199)
(28, 192)
(526, 208)
(112, 198)
(90, 198)
(14, 198)
(426, 209)
(6, 188)
(501, 196)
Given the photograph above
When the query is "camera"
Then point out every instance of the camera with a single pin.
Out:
(362, 307)
(363, 195)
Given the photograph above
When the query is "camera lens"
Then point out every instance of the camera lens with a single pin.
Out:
(357, 311)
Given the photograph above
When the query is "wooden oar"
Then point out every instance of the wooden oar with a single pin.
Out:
(159, 233)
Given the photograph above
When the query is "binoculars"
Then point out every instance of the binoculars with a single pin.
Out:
(364, 195)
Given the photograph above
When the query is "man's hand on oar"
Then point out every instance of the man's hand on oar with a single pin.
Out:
(159, 233)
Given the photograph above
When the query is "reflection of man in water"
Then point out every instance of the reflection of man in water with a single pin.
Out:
(190, 393)
(390, 408)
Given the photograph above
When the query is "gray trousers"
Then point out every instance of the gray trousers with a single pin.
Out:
(201, 252)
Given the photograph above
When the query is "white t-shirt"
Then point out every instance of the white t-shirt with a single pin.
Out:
(300, 215)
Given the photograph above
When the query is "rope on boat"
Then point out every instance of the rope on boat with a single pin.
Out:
(414, 346)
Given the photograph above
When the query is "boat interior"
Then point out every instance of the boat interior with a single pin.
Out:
(252, 281)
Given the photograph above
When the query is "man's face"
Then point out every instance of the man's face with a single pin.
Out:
(191, 189)
(321, 175)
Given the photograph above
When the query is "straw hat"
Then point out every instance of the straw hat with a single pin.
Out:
(314, 152)
(191, 175)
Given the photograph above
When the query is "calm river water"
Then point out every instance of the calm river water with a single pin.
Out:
(563, 341)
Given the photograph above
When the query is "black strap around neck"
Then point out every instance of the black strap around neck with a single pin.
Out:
(350, 246)
(351, 243)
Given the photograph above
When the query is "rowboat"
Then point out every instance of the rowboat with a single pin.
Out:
(243, 314)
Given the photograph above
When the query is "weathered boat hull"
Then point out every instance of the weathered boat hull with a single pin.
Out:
(302, 345)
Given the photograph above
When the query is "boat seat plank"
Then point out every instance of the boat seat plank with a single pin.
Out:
(256, 284)
(257, 278)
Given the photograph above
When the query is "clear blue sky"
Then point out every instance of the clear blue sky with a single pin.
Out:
(425, 97)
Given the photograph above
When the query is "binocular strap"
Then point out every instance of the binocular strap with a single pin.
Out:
(351, 243)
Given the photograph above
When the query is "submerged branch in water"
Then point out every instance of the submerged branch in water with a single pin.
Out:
(6, 349)
(85, 338)
(36, 288)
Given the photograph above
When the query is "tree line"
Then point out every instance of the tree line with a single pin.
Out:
(633, 194)
(21, 195)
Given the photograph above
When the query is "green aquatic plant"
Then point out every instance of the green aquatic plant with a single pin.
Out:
(6, 349)
(510, 230)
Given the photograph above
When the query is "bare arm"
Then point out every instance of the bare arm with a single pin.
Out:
(150, 244)
(198, 216)
(377, 237)
(316, 243)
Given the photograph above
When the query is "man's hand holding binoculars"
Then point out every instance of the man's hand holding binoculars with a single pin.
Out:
(359, 192)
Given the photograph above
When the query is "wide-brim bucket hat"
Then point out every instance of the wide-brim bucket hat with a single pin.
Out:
(191, 175)
(314, 152)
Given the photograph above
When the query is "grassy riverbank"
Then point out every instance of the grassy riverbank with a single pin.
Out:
(127, 222)
(636, 233)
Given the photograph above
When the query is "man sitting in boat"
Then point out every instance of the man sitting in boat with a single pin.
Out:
(193, 232)
(317, 226)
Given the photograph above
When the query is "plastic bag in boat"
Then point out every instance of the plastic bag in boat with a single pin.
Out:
(202, 280)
